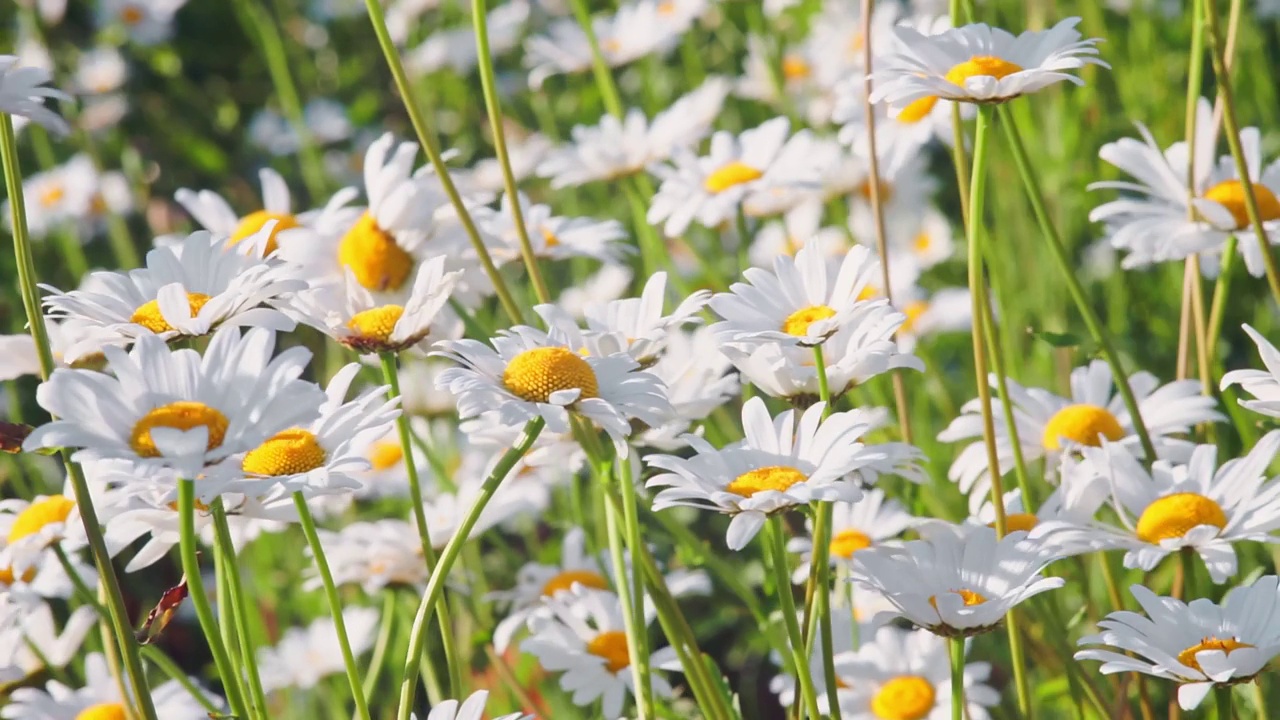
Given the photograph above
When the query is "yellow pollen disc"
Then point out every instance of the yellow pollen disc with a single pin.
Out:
(535, 374)
(612, 646)
(735, 173)
(913, 311)
(1173, 516)
(1018, 521)
(1083, 424)
(970, 597)
(131, 15)
(290, 451)
(884, 191)
(52, 195)
(375, 259)
(97, 203)
(8, 578)
(981, 66)
(1188, 657)
(774, 477)
(252, 223)
(847, 542)
(38, 515)
(906, 697)
(1230, 194)
(103, 711)
(795, 68)
(181, 415)
(149, 317)
(666, 8)
(566, 579)
(385, 454)
(922, 243)
(550, 238)
(917, 110)
(798, 322)
(378, 323)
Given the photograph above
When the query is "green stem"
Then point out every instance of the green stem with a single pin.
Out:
(820, 563)
(957, 678)
(248, 656)
(630, 597)
(1017, 657)
(1076, 289)
(118, 614)
(631, 525)
(376, 661)
(776, 556)
(435, 584)
(175, 673)
(1222, 693)
(1006, 402)
(200, 599)
(391, 377)
(335, 603)
(427, 140)
(599, 68)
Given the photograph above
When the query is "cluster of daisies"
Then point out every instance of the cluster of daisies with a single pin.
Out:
(365, 363)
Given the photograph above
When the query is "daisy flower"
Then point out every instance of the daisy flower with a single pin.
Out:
(637, 29)
(956, 581)
(164, 408)
(374, 555)
(1263, 385)
(305, 656)
(528, 373)
(455, 48)
(698, 376)
(552, 236)
(945, 310)
(38, 640)
(149, 22)
(845, 638)
(1199, 645)
(1199, 506)
(609, 283)
(742, 171)
(215, 214)
(784, 462)
(799, 227)
(471, 709)
(583, 638)
(23, 91)
(854, 526)
(1050, 425)
(980, 64)
(99, 697)
(100, 71)
(804, 301)
(525, 149)
(31, 527)
(446, 510)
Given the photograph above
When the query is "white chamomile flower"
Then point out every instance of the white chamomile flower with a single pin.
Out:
(1049, 425)
(845, 638)
(1263, 385)
(854, 527)
(698, 376)
(784, 462)
(535, 582)
(215, 214)
(375, 555)
(23, 91)
(148, 22)
(799, 227)
(40, 645)
(528, 373)
(945, 310)
(552, 236)
(981, 64)
(367, 323)
(804, 301)
(637, 29)
(1199, 645)
(31, 527)
(455, 48)
(583, 637)
(470, 709)
(608, 284)
(100, 71)
(305, 656)
(956, 581)
(525, 150)
(743, 171)
(164, 408)
(98, 698)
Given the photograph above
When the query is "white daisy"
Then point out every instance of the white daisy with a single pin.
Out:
(99, 697)
(854, 527)
(945, 310)
(455, 48)
(552, 236)
(100, 71)
(149, 22)
(471, 709)
(784, 462)
(525, 150)
(982, 64)
(23, 91)
(516, 498)
(638, 28)
(535, 582)
(846, 635)
(375, 555)
(29, 528)
(166, 408)
(1049, 425)
(39, 641)
(1263, 385)
(215, 214)
(608, 284)
(305, 656)
(956, 581)
(799, 227)
(697, 375)
(1198, 645)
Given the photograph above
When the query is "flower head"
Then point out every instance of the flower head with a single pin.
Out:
(23, 92)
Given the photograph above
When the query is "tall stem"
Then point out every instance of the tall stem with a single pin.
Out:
(599, 68)
(114, 600)
(1222, 693)
(435, 583)
(248, 658)
(631, 524)
(391, 376)
(629, 597)
(820, 565)
(776, 556)
(957, 678)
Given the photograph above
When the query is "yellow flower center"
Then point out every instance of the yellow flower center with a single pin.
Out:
(550, 238)
(252, 223)
(612, 646)
(378, 323)
(181, 415)
(52, 195)
(566, 579)
(1082, 424)
(1188, 657)
(535, 374)
(38, 515)
(735, 173)
(1018, 521)
(847, 542)
(795, 68)
(922, 243)
(149, 317)
(666, 8)
(1230, 194)
(917, 110)
(981, 66)
(385, 454)
(131, 15)
(798, 322)
(906, 697)
(289, 452)
(1172, 516)
(374, 257)
(103, 711)
(970, 597)
(7, 577)
(913, 311)
(884, 191)
(774, 477)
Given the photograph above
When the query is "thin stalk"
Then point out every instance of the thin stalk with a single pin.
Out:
(512, 683)
(248, 656)
(335, 603)
(435, 584)
(1222, 694)
(492, 106)
(175, 673)
(820, 564)
(957, 678)
(1076, 289)
(1017, 657)
(377, 660)
(629, 597)
(425, 138)
(599, 68)
(776, 556)
(391, 377)
(1006, 402)
(118, 614)
(631, 525)
(200, 599)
